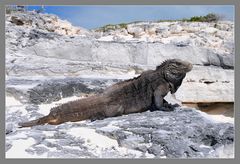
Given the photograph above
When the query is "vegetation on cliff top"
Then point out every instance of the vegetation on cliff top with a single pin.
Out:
(211, 17)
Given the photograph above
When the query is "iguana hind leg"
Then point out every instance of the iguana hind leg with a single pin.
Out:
(98, 116)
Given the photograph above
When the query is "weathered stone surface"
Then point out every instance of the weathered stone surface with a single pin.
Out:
(45, 57)
(207, 84)
(173, 134)
(46, 22)
(160, 134)
(101, 58)
(202, 44)
(37, 91)
(155, 134)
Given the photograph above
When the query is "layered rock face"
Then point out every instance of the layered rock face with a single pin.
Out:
(53, 47)
(48, 59)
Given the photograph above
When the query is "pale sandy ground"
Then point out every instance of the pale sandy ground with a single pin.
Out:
(94, 141)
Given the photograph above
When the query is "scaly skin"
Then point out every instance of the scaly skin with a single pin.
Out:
(135, 95)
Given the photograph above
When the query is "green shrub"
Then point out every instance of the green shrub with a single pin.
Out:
(208, 18)
(196, 19)
(211, 18)
(185, 20)
(109, 27)
(122, 25)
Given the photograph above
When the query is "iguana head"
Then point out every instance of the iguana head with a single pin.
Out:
(174, 71)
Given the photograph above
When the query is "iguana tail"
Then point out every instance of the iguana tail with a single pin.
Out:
(40, 121)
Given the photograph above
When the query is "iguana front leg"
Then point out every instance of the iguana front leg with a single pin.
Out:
(159, 102)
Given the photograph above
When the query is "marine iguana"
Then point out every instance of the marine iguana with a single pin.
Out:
(135, 95)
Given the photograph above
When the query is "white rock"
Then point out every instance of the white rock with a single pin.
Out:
(34, 49)
(207, 85)
(210, 30)
(175, 29)
(135, 31)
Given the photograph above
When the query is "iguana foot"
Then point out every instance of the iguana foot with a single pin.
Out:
(169, 107)
(166, 107)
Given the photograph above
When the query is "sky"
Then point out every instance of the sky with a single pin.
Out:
(93, 16)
